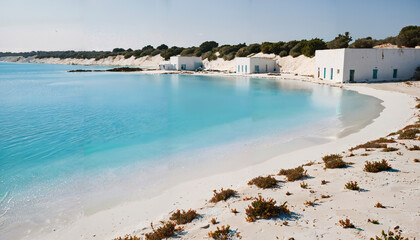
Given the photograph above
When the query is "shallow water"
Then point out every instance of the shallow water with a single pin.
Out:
(70, 142)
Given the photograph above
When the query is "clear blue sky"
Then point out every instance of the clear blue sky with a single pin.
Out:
(105, 24)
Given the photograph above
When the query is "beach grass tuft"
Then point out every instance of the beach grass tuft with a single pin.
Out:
(391, 235)
(128, 237)
(265, 209)
(414, 148)
(303, 185)
(222, 233)
(346, 223)
(352, 186)
(293, 174)
(334, 161)
(377, 166)
(373, 221)
(167, 230)
(409, 133)
(390, 149)
(379, 205)
(223, 195)
(183, 217)
(263, 182)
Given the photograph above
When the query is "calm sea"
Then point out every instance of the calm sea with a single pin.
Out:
(70, 142)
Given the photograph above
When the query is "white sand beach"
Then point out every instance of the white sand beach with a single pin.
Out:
(397, 190)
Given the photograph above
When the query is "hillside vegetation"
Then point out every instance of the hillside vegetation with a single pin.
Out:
(409, 36)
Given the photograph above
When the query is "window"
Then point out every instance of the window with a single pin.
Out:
(395, 73)
(332, 71)
(325, 72)
(246, 68)
(338, 71)
(375, 74)
(242, 68)
(239, 69)
(319, 73)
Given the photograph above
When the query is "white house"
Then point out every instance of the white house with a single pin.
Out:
(366, 64)
(255, 65)
(182, 63)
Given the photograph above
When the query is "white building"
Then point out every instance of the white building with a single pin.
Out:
(182, 63)
(366, 64)
(255, 65)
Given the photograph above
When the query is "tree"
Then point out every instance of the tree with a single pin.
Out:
(367, 42)
(267, 47)
(147, 47)
(254, 48)
(208, 46)
(297, 49)
(162, 47)
(409, 36)
(116, 50)
(312, 45)
(341, 41)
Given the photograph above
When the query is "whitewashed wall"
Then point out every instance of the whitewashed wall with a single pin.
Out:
(329, 59)
(363, 61)
(177, 61)
(247, 65)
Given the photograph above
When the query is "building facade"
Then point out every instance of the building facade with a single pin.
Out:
(366, 64)
(182, 63)
(255, 65)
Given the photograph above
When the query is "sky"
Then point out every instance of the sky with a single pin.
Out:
(48, 25)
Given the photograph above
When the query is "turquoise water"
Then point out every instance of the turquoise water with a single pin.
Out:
(71, 138)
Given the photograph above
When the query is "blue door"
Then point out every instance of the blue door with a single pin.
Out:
(375, 74)
(351, 75)
(239, 69)
(183, 67)
(197, 65)
(246, 68)
(394, 74)
(325, 72)
(332, 71)
(257, 69)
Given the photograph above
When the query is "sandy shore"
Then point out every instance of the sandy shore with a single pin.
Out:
(398, 190)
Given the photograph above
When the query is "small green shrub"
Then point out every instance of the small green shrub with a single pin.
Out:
(293, 174)
(379, 205)
(310, 203)
(222, 233)
(265, 209)
(396, 235)
(371, 144)
(183, 217)
(127, 237)
(167, 230)
(390, 149)
(414, 148)
(263, 182)
(409, 133)
(223, 195)
(334, 161)
(352, 186)
(346, 223)
(377, 166)
(303, 185)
